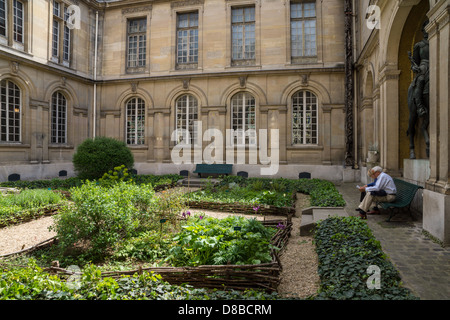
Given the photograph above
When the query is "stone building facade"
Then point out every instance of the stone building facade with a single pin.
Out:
(141, 71)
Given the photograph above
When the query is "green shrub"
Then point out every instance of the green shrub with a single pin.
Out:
(96, 156)
(101, 216)
(211, 241)
(346, 249)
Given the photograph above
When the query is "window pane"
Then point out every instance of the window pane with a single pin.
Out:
(135, 131)
(59, 120)
(187, 38)
(3, 18)
(18, 21)
(10, 108)
(303, 29)
(304, 118)
(243, 120)
(186, 115)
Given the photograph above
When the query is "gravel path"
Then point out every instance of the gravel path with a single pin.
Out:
(25, 235)
(299, 278)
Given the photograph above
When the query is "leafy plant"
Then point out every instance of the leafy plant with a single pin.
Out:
(211, 241)
(100, 217)
(94, 157)
(119, 174)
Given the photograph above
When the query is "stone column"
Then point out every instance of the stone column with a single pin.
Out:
(389, 115)
(436, 196)
(159, 136)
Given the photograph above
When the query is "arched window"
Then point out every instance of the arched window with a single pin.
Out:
(186, 115)
(243, 119)
(10, 108)
(135, 126)
(59, 118)
(304, 118)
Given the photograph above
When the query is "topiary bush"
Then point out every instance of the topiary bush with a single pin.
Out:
(96, 156)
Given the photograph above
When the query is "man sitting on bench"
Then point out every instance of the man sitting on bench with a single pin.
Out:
(384, 190)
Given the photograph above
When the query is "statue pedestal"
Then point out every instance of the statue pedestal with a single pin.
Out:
(416, 171)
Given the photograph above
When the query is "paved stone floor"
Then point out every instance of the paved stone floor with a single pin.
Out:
(424, 265)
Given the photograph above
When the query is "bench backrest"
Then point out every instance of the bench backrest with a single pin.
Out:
(219, 167)
(405, 191)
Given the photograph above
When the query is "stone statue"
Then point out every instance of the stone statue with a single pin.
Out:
(419, 92)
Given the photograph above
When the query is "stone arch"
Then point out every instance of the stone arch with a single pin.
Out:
(186, 89)
(255, 90)
(317, 88)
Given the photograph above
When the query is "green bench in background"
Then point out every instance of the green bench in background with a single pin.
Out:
(217, 169)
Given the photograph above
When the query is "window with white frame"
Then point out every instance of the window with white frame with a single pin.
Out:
(59, 118)
(10, 109)
(12, 23)
(137, 43)
(243, 41)
(187, 40)
(61, 34)
(18, 21)
(186, 116)
(304, 118)
(243, 119)
(3, 16)
(303, 29)
(135, 126)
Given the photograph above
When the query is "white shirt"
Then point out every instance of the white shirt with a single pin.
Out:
(384, 182)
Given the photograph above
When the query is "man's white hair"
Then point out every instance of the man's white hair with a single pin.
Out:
(377, 169)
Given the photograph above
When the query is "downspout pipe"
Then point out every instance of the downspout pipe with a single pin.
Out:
(95, 77)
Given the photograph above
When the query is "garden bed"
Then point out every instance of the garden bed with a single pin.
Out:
(265, 276)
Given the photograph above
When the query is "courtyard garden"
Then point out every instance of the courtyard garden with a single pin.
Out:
(114, 234)
(129, 241)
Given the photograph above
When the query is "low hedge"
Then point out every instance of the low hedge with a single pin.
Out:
(346, 249)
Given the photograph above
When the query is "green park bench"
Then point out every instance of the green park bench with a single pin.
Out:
(217, 169)
(405, 194)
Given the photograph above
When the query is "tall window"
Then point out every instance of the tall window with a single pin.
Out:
(137, 43)
(303, 29)
(243, 34)
(243, 118)
(304, 118)
(10, 107)
(135, 121)
(3, 18)
(59, 118)
(18, 21)
(187, 39)
(186, 115)
(12, 23)
(60, 34)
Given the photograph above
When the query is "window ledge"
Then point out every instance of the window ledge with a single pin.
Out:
(14, 145)
(304, 147)
(60, 146)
